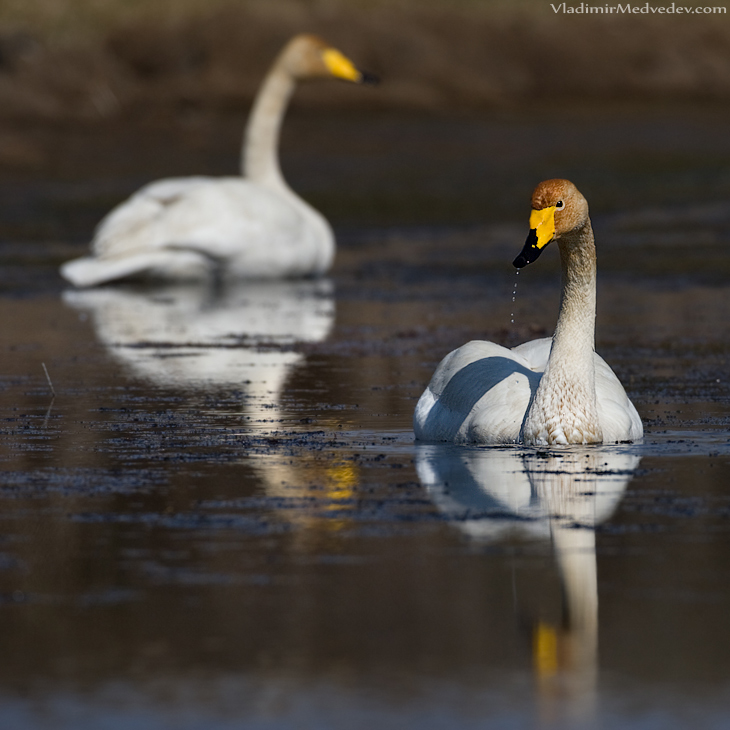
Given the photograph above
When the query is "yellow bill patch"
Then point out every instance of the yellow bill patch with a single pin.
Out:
(543, 223)
(340, 66)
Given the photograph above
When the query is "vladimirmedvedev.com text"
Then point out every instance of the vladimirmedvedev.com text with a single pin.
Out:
(629, 9)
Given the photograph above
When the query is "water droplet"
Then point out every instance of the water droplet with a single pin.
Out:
(514, 296)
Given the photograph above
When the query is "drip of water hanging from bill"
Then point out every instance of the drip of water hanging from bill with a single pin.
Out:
(514, 296)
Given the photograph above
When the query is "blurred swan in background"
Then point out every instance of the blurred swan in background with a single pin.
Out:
(505, 494)
(250, 227)
(549, 391)
(194, 336)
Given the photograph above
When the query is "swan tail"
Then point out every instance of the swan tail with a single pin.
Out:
(91, 271)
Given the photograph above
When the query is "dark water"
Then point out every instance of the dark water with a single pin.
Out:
(221, 518)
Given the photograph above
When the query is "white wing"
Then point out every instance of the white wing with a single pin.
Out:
(479, 393)
(616, 413)
(536, 352)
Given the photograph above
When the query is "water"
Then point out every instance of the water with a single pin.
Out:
(222, 520)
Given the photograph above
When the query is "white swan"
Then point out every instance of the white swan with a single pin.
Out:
(250, 227)
(549, 391)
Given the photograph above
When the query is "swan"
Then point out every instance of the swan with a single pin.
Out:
(249, 227)
(548, 391)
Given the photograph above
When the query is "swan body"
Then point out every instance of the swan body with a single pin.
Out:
(549, 391)
(190, 228)
(248, 227)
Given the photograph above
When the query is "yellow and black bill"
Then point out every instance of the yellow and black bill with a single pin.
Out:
(542, 231)
(342, 67)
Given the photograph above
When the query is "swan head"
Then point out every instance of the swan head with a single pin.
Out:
(557, 208)
(309, 57)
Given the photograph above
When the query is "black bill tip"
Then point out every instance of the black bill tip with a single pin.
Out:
(369, 79)
(529, 253)
(520, 262)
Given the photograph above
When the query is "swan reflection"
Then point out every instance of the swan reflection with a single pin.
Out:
(240, 337)
(198, 337)
(499, 494)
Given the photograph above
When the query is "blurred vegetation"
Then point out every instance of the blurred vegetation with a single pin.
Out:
(66, 20)
(95, 60)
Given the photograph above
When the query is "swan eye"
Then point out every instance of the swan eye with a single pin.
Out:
(559, 204)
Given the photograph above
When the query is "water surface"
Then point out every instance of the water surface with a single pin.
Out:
(222, 520)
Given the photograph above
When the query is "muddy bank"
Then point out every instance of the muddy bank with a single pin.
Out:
(433, 58)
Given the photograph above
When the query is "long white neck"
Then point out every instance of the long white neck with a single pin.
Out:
(564, 408)
(260, 154)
